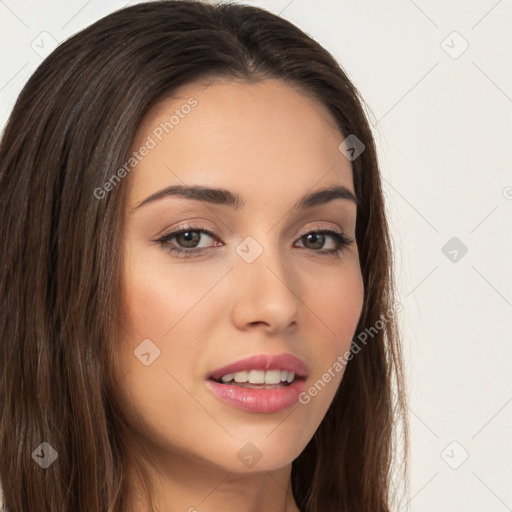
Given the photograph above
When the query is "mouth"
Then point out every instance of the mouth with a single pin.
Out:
(261, 384)
(262, 369)
(259, 379)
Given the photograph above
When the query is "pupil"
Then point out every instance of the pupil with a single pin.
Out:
(191, 238)
(319, 237)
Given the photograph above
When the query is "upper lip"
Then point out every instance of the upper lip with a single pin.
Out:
(264, 362)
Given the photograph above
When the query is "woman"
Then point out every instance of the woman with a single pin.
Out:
(196, 280)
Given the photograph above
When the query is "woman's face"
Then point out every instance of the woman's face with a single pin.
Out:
(259, 283)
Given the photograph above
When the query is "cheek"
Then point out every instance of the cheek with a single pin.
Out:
(160, 297)
(162, 309)
(336, 298)
(159, 310)
(341, 306)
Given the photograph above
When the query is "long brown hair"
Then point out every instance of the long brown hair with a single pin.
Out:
(60, 268)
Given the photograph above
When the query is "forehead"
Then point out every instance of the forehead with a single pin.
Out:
(263, 137)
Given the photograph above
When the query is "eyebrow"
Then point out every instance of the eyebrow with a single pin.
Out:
(225, 197)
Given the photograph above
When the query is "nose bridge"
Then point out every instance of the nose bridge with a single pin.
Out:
(261, 250)
(266, 285)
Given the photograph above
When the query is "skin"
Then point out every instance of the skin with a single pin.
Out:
(270, 144)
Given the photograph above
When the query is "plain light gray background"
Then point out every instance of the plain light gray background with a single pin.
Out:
(437, 77)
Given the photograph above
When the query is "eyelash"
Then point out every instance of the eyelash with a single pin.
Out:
(342, 241)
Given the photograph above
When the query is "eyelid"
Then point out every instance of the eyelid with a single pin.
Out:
(322, 227)
(198, 225)
(342, 241)
(192, 226)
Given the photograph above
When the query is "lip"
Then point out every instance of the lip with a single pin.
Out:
(267, 401)
(264, 362)
(260, 400)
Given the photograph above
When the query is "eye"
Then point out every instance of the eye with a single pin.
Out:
(188, 238)
(317, 240)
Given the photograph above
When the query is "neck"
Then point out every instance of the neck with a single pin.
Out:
(181, 483)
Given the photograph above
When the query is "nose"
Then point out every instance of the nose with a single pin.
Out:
(266, 292)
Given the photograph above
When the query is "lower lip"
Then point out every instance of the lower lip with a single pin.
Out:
(262, 400)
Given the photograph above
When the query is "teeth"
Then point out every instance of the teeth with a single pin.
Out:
(260, 376)
(241, 376)
(272, 377)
